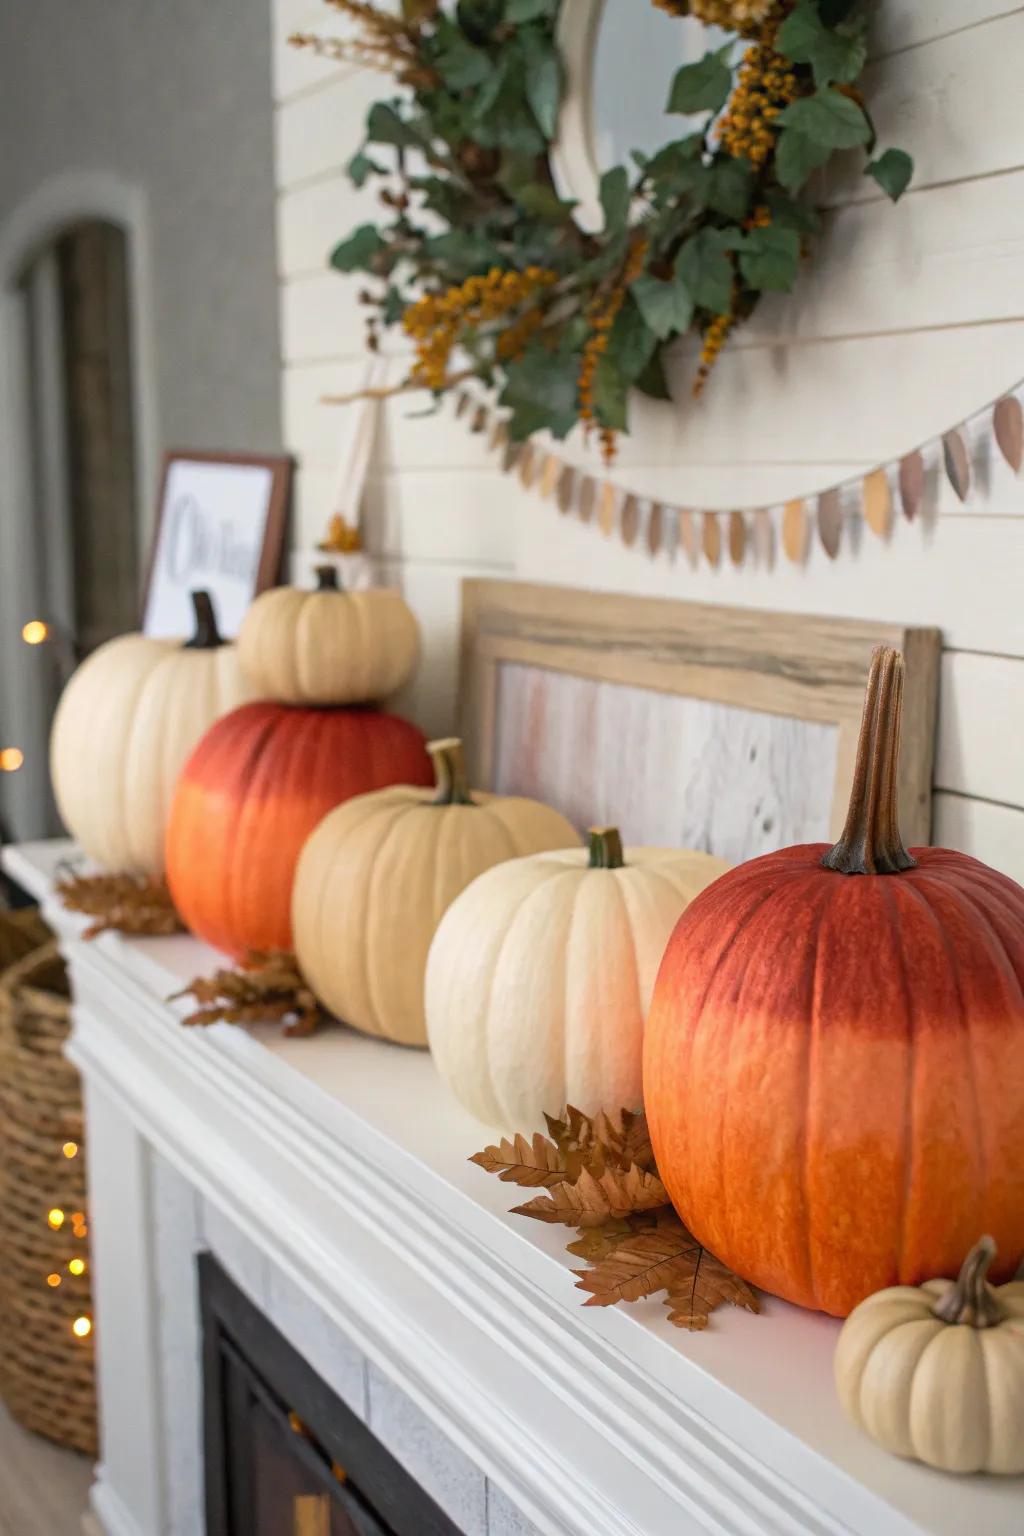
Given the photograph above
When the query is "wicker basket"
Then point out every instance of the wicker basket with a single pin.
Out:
(46, 1372)
(20, 933)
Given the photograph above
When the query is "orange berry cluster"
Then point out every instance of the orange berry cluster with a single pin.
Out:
(765, 86)
(601, 315)
(742, 16)
(714, 341)
(434, 322)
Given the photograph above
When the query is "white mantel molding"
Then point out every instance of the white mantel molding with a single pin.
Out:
(343, 1160)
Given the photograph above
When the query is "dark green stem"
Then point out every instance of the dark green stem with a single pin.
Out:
(327, 579)
(605, 847)
(972, 1300)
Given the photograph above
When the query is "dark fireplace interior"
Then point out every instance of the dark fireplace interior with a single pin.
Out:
(284, 1455)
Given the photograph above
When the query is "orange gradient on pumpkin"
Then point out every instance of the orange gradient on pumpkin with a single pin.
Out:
(254, 788)
(834, 1072)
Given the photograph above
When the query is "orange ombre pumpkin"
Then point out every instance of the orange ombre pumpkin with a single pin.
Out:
(834, 1058)
(251, 793)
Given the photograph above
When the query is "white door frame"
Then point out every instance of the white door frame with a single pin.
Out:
(56, 205)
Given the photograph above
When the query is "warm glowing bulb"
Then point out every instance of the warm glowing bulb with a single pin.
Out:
(53, 1280)
(77, 1266)
(70, 1149)
(56, 1219)
(81, 1327)
(35, 632)
(11, 759)
(78, 1217)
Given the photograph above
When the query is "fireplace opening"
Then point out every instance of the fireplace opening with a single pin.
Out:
(284, 1456)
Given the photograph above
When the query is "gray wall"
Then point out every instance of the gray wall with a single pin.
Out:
(175, 96)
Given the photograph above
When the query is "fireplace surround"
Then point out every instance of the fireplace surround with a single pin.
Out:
(329, 1179)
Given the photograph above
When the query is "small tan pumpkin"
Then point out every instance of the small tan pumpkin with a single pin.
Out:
(124, 728)
(936, 1372)
(328, 646)
(541, 973)
(377, 876)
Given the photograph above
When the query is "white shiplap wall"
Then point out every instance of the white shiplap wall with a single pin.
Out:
(909, 319)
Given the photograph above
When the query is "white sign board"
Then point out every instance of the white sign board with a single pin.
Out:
(220, 528)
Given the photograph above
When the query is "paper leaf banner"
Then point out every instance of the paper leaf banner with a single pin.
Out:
(748, 534)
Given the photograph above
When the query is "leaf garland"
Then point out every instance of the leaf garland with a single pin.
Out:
(599, 1175)
(691, 236)
(139, 905)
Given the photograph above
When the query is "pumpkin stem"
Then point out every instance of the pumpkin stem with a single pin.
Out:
(206, 636)
(450, 772)
(327, 579)
(871, 843)
(605, 848)
(971, 1299)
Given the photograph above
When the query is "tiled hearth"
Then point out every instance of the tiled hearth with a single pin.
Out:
(188, 1224)
(329, 1178)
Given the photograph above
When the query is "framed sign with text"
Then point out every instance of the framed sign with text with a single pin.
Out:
(221, 527)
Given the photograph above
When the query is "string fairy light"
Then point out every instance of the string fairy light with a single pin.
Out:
(82, 1327)
(53, 1280)
(35, 632)
(56, 1218)
(11, 759)
(70, 1149)
(76, 1266)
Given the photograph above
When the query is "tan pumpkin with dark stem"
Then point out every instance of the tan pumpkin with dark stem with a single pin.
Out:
(377, 876)
(834, 1057)
(328, 646)
(124, 728)
(936, 1372)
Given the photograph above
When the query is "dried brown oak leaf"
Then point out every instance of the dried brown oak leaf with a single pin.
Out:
(132, 904)
(593, 1198)
(600, 1176)
(666, 1258)
(532, 1164)
(266, 987)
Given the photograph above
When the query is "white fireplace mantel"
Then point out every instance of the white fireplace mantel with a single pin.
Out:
(344, 1161)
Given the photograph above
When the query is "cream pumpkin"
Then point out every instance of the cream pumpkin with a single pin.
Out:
(936, 1372)
(125, 725)
(328, 646)
(540, 976)
(377, 876)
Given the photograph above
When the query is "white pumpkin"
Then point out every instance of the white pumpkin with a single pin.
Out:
(125, 725)
(376, 876)
(328, 646)
(540, 976)
(936, 1372)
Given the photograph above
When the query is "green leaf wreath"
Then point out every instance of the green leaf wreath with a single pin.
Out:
(481, 261)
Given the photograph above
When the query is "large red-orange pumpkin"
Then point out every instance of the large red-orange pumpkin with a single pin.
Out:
(834, 1058)
(254, 788)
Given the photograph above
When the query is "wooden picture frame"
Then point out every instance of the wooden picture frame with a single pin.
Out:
(238, 508)
(803, 667)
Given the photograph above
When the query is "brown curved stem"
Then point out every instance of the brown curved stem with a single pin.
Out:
(972, 1300)
(206, 636)
(605, 846)
(327, 579)
(871, 843)
(450, 772)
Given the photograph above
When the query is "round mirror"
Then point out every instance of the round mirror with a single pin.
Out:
(620, 62)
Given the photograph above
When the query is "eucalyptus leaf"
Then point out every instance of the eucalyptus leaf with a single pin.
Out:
(829, 118)
(704, 267)
(770, 259)
(519, 11)
(360, 168)
(833, 54)
(666, 307)
(631, 340)
(704, 86)
(652, 382)
(611, 396)
(793, 215)
(729, 187)
(460, 63)
(544, 87)
(615, 199)
(384, 126)
(797, 156)
(357, 252)
(393, 307)
(541, 389)
(893, 172)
